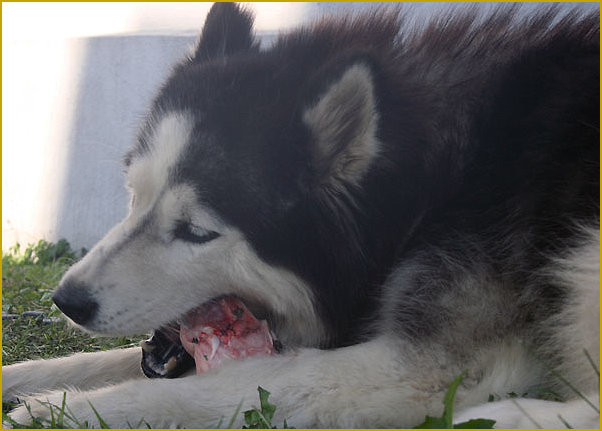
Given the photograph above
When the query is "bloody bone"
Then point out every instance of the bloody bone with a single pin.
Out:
(221, 329)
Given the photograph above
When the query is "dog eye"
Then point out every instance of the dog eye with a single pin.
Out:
(190, 233)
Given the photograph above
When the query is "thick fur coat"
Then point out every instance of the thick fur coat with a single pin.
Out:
(401, 203)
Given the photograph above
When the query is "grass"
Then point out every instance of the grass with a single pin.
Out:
(29, 276)
(61, 417)
(446, 419)
(261, 418)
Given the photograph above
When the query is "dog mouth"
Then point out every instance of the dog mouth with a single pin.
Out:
(220, 329)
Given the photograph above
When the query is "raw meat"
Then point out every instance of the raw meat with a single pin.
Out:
(221, 329)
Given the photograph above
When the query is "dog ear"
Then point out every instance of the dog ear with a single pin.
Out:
(227, 30)
(343, 125)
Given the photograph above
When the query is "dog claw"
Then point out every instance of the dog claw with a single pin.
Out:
(171, 364)
(146, 346)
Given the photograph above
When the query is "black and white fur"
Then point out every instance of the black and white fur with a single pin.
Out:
(400, 202)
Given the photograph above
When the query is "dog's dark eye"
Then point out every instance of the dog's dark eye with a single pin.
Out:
(190, 233)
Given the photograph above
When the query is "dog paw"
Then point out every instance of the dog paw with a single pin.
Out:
(103, 408)
(19, 417)
(11, 383)
(52, 410)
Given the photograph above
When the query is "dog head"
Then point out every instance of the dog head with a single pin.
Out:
(244, 181)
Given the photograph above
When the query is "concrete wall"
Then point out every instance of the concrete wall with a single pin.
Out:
(77, 78)
(65, 130)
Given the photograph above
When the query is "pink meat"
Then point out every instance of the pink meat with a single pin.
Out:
(222, 329)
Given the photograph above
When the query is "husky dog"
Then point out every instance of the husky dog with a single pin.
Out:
(400, 203)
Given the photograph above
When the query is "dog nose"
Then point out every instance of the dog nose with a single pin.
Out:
(75, 301)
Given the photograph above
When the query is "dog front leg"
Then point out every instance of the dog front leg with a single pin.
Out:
(367, 385)
(81, 371)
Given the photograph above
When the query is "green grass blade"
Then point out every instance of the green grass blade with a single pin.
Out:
(61, 418)
(527, 415)
(432, 423)
(556, 374)
(476, 424)
(102, 423)
(448, 400)
(592, 363)
(565, 423)
(52, 418)
(235, 415)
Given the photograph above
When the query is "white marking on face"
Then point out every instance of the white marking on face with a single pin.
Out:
(148, 173)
